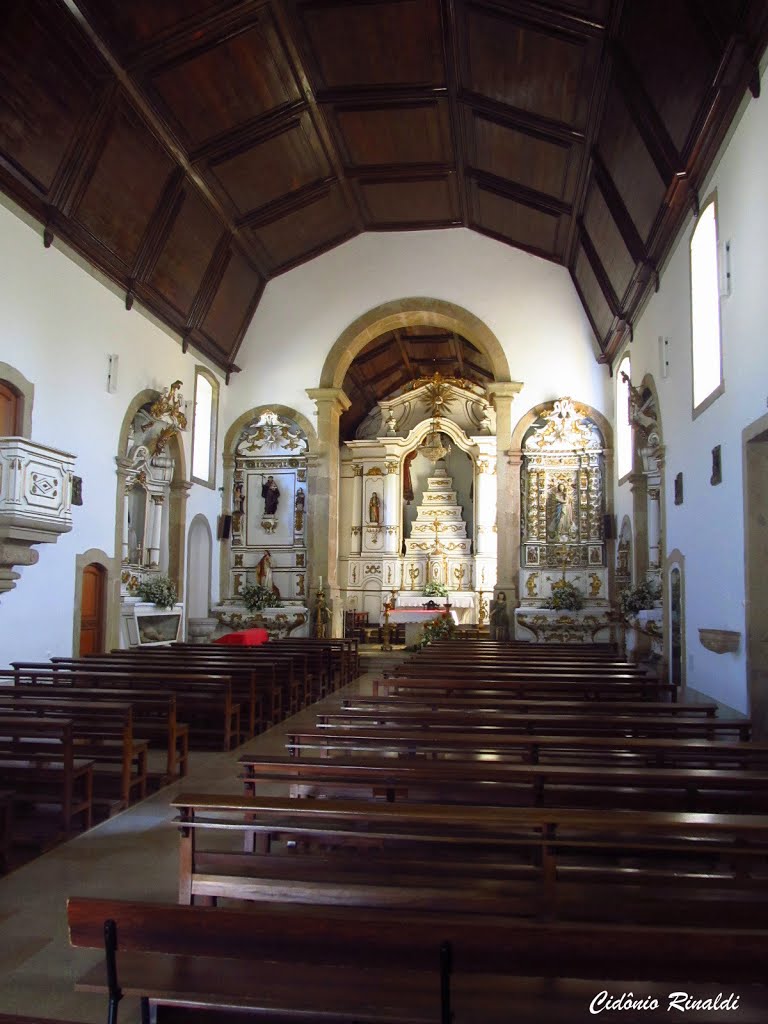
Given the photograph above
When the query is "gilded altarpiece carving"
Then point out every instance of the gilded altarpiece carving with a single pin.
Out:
(563, 502)
(270, 502)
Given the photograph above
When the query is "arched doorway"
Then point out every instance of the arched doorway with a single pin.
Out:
(10, 410)
(93, 609)
(199, 549)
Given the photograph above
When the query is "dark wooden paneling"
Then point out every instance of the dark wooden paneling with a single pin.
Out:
(607, 240)
(595, 302)
(217, 89)
(630, 165)
(228, 314)
(361, 44)
(517, 223)
(529, 67)
(305, 231)
(128, 24)
(534, 161)
(410, 203)
(273, 167)
(402, 134)
(676, 65)
(125, 185)
(184, 258)
(48, 75)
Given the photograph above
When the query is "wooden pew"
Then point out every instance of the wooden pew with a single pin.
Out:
(204, 701)
(103, 733)
(500, 701)
(154, 719)
(6, 827)
(544, 720)
(335, 963)
(534, 749)
(509, 783)
(39, 764)
(591, 688)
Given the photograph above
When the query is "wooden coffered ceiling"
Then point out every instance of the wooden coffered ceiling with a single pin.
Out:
(193, 149)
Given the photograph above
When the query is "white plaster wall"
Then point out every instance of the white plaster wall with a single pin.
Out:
(530, 305)
(59, 322)
(708, 528)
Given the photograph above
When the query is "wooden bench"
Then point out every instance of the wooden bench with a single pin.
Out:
(39, 764)
(533, 749)
(335, 963)
(502, 702)
(154, 719)
(103, 733)
(607, 688)
(204, 701)
(495, 782)
(553, 722)
(6, 827)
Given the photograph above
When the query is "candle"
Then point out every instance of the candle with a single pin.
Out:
(320, 583)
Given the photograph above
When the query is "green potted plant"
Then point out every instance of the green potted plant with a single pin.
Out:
(565, 597)
(256, 597)
(441, 628)
(159, 590)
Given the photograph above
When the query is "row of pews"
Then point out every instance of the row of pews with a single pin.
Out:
(82, 738)
(489, 852)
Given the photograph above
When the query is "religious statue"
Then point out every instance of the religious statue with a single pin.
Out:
(498, 622)
(374, 509)
(264, 572)
(238, 497)
(561, 516)
(322, 616)
(271, 495)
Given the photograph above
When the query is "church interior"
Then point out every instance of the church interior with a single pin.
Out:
(342, 337)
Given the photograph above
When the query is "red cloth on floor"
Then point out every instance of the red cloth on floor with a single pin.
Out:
(245, 638)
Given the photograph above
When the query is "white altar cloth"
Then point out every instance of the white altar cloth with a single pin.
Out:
(414, 599)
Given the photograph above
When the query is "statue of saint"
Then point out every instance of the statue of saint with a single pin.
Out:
(374, 509)
(322, 616)
(264, 572)
(498, 622)
(561, 517)
(271, 495)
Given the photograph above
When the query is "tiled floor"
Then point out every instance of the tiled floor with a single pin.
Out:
(133, 855)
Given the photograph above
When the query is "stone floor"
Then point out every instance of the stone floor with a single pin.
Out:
(132, 855)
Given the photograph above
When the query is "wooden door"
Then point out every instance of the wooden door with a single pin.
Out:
(9, 410)
(92, 610)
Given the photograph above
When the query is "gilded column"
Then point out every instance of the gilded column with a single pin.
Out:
(391, 506)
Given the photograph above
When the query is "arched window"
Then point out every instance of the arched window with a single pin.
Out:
(623, 425)
(204, 428)
(705, 310)
(10, 410)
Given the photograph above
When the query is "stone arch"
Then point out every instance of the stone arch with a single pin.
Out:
(410, 312)
(533, 414)
(236, 428)
(199, 556)
(26, 390)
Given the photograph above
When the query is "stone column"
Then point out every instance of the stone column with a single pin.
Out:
(324, 498)
(154, 530)
(654, 528)
(357, 510)
(485, 503)
(502, 395)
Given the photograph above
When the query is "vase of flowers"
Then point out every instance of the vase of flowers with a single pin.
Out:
(640, 598)
(435, 590)
(256, 598)
(565, 597)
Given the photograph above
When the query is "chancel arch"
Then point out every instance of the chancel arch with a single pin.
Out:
(402, 325)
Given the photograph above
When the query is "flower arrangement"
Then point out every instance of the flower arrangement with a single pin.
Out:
(257, 597)
(435, 590)
(565, 597)
(441, 628)
(160, 590)
(635, 599)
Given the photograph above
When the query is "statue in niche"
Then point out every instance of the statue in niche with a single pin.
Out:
(299, 510)
(271, 495)
(322, 616)
(498, 620)
(238, 497)
(264, 573)
(560, 522)
(374, 510)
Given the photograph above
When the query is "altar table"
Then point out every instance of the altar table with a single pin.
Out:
(415, 618)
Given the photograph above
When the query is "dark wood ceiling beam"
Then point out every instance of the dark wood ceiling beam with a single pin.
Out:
(354, 96)
(513, 117)
(367, 356)
(599, 271)
(520, 194)
(480, 370)
(261, 129)
(367, 392)
(158, 228)
(289, 32)
(646, 118)
(399, 172)
(404, 353)
(384, 374)
(286, 204)
(618, 210)
(596, 108)
(548, 16)
(452, 63)
(458, 351)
